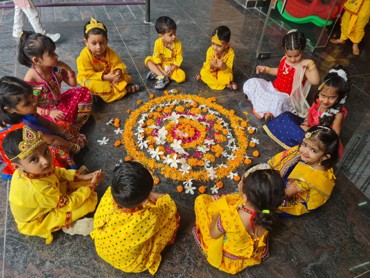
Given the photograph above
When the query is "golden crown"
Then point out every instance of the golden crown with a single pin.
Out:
(31, 141)
(94, 24)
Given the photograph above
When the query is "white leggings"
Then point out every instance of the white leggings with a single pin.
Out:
(33, 17)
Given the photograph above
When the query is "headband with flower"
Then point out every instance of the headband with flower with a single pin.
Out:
(94, 24)
(31, 141)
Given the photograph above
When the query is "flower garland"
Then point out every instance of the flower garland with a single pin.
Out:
(187, 138)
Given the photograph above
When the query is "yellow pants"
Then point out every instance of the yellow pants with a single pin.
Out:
(223, 79)
(353, 26)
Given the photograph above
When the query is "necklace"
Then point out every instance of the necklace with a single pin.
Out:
(55, 100)
(286, 68)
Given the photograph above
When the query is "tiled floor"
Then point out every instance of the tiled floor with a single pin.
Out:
(332, 242)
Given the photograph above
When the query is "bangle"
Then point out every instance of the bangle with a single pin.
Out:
(310, 64)
(74, 148)
(267, 69)
(45, 112)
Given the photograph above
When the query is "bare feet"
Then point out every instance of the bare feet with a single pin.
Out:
(197, 77)
(232, 86)
(337, 41)
(355, 49)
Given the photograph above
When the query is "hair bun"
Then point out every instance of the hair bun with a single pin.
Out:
(340, 72)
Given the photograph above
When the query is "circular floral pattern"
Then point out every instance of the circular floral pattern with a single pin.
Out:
(187, 138)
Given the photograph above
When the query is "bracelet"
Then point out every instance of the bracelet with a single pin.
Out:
(267, 69)
(74, 148)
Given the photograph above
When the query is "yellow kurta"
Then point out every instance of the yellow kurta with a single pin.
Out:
(164, 56)
(133, 242)
(314, 186)
(223, 77)
(234, 251)
(354, 20)
(91, 71)
(42, 205)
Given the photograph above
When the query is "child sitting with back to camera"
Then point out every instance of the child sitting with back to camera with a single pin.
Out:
(164, 64)
(289, 90)
(217, 70)
(46, 75)
(18, 107)
(99, 67)
(142, 221)
(288, 129)
(44, 198)
(232, 230)
(307, 171)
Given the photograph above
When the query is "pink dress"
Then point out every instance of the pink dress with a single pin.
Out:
(74, 103)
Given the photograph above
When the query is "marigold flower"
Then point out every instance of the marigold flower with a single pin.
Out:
(117, 143)
(151, 96)
(251, 131)
(139, 102)
(237, 178)
(202, 189)
(256, 153)
(248, 161)
(219, 184)
(180, 188)
(231, 112)
(127, 158)
(128, 111)
(156, 180)
(116, 122)
(252, 144)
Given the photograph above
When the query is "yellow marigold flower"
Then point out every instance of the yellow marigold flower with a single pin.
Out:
(139, 102)
(151, 96)
(232, 112)
(180, 108)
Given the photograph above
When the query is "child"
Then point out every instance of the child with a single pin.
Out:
(232, 230)
(26, 7)
(167, 56)
(307, 171)
(17, 105)
(288, 129)
(286, 92)
(43, 199)
(99, 67)
(141, 221)
(217, 70)
(354, 20)
(46, 74)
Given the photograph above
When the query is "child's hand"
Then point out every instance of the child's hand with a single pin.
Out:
(61, 64)
(118, 74)
(109, 77)
(214, 63)
(81, 140)
(153, 197)
(261, 69)
(97, 177)
(56, 115)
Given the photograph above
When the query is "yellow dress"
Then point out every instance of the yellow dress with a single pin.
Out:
(354, 20)
(42, 204)
(314, 186)
(223, 77)
(91, 70)
(166, 57)
(234, 251)
(133, 241)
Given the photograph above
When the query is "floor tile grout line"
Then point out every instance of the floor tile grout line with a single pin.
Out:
(5, 225)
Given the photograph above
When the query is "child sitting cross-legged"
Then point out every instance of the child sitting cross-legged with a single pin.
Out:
(143, 223)
(44, 198)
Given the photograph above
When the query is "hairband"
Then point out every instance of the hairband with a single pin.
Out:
(31, 141)
(216, 39)
(292, 31)
(341, 73)
(94, 24)
(261, 166)
(319, 128)
(266, 211)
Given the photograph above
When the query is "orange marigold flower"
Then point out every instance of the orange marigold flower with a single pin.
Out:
(252, 144)
(139, 102)
(204, 110)
(243, 124)
(194, 104)
(180, 188)
(251, 131)
(225, 132)
(116, 122)
(151, 147)
(151, 96)
(202, 189)
(220, 184)
(188, 105)
(159, 109)
(237, 178)
(248, 161)
(180, 108)
(156, 180)
(165, 93)
(117, 143)
(200, 163)
(127, 158)
(128, 111)
(256, 153)
(232, 112)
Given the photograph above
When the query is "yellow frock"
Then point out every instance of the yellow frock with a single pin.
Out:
(133, 241)
(314, 186)
(166, 57)
(234, 251)
(223, 77)
(42, 204)
(91, 70)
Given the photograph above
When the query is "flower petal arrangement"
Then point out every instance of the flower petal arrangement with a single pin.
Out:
(187, 138)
